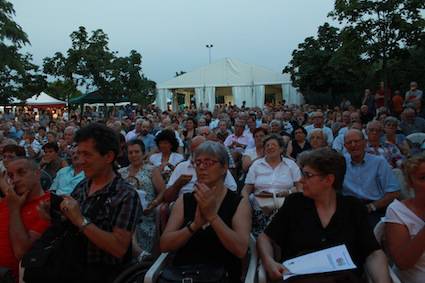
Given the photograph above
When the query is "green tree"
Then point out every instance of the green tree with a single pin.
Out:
(19, 77)
(326, 64)
(384, 28)
(90, 64)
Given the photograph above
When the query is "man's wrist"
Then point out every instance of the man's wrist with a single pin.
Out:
(84, 223)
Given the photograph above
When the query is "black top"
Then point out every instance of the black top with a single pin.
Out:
(297, 149)
(297, 229)
(204, 247)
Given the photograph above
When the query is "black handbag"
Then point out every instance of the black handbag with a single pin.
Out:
(199, 273)
(58, 256)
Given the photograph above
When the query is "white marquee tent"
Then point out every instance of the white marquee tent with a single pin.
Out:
(231, 79)
(43, 99)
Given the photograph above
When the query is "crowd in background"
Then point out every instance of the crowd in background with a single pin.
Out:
(265, 157)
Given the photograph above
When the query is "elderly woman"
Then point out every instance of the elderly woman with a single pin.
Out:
(298, 143)
(391, 135)
(167, 158)
(210, 226)
(148, 179)
(317, 138)
(405, 226)
(251, 154)
(321, 218)
(273, 173)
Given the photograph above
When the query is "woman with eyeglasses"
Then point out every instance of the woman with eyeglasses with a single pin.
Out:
(320, 218)
(148, 179)
(209, 227)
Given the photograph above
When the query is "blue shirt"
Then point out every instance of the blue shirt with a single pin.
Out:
(369, 180)
(149, 142)
(65, 181)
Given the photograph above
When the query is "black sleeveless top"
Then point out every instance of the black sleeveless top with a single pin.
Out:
(204, 247)
(296, 149)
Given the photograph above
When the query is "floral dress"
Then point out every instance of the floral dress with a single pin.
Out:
(146, 230)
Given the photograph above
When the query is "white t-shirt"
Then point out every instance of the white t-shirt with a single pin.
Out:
(398, 213)
(186, 168)
(174, 159)
(266, 179)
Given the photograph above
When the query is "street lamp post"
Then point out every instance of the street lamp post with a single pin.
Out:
(209, 46)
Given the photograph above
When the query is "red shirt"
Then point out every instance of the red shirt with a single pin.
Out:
(32, 222)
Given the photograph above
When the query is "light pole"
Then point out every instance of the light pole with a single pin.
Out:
(209, 46)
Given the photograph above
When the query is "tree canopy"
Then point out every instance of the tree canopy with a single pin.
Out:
(377, 40)
(19, 77)
(89, 64)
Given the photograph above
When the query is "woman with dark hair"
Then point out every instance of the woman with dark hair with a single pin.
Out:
(167, 158)
(269, 180)
(320, 218)
(148, 179)
(188, 133)
(209, 227)
(298, 143)
(252, 154)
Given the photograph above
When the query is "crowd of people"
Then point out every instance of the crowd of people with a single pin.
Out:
(104, 192)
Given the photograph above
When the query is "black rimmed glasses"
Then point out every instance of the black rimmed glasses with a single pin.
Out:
(207, 163)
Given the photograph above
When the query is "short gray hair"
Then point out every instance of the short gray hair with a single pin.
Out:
(213, 149)
(317, 130)
(392, 121)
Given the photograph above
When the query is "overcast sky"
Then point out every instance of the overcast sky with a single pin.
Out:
(171, 34)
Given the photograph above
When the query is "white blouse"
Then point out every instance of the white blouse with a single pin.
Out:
(174, 159)
(398, 213)
(266, 179)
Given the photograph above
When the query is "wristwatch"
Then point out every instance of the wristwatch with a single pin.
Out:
(84, 224)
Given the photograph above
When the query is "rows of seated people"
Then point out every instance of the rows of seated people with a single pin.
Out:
(87, 206)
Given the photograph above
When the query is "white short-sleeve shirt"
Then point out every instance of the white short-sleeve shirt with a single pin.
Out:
(174, 159)
(279, 179)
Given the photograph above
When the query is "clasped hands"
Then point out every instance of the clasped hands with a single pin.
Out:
(207, 208)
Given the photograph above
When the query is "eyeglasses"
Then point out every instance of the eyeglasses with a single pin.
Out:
(207, 163)
(375, 130)
(308, 175)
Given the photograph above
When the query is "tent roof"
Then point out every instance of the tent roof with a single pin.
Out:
(226, 72)
(43, 99)
(97, 97)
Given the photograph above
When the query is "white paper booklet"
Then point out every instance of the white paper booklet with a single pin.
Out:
(327, 260)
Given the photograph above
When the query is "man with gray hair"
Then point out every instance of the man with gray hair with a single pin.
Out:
(368, 177)
(318, 122)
